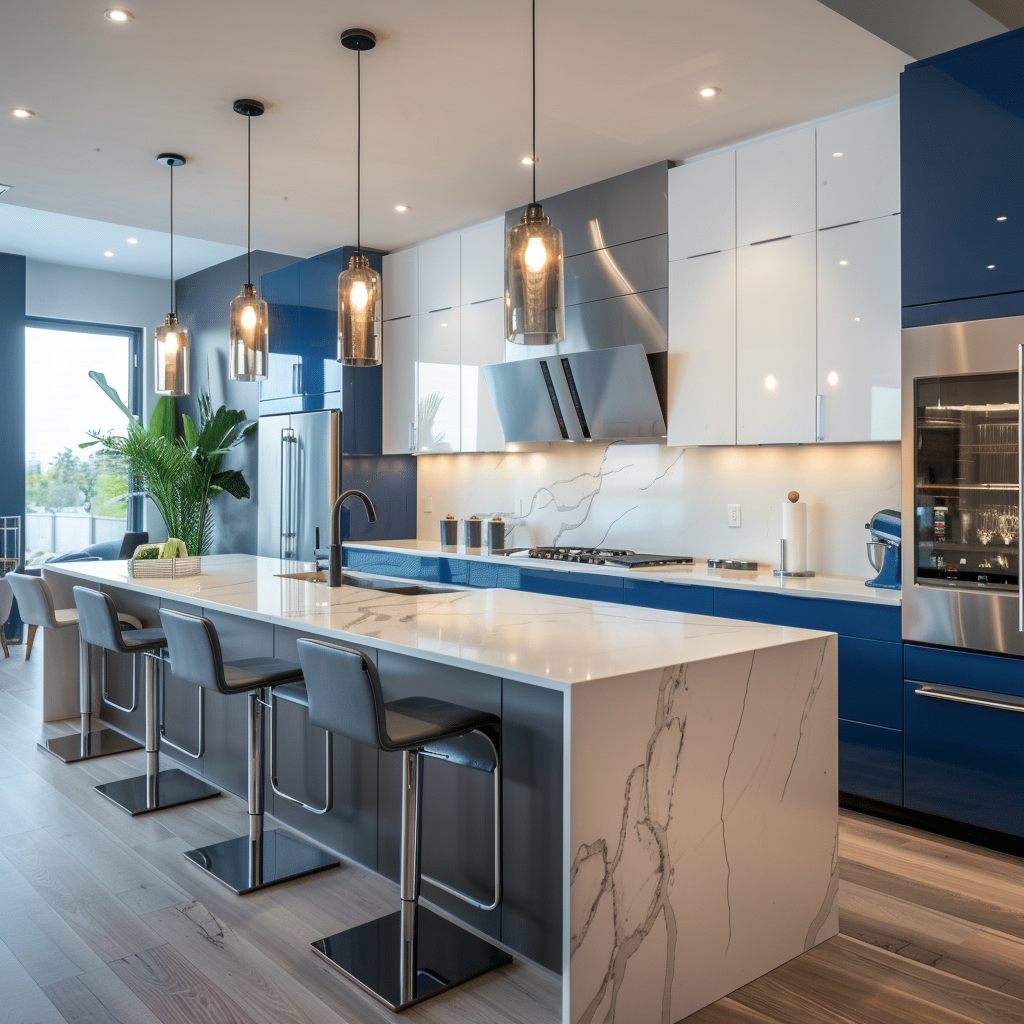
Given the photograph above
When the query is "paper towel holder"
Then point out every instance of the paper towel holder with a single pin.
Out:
(782, 570)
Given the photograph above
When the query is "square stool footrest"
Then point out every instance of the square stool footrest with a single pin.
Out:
(170, 788)
(284, 857)
(445, 956)
(81, 746)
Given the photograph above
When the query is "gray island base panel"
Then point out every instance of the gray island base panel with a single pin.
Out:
(670, 788)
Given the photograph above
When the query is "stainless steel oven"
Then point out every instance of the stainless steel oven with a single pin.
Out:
(962, 485)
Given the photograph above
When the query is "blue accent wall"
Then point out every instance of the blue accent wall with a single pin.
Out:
(12, 385)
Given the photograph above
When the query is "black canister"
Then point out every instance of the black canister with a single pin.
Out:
(495, 534)
(474, 533)
(449, 534)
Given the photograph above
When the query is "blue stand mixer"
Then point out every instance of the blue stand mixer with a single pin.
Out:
(884, 549)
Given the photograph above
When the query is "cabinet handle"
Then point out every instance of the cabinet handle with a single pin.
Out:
(962, 696)
(819, 418)
(777, 238)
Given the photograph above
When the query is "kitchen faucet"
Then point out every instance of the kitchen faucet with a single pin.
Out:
(334, 563)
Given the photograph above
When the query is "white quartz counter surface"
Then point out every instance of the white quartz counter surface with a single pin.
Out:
(535, 638)
(841, 588)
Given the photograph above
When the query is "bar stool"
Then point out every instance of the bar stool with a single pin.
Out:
(6, 603)
(98, 626)
(260, 858)
(35, 605)
(413, 953)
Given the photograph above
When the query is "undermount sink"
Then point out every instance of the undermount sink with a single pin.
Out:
(369, 583)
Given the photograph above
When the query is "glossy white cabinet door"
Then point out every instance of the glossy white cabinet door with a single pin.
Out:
(859, 331)
(702, 350)
(775, 341)
(483, 342)
(398, 281)
(859, 165)
(775, 187)
(702, 206)
(439, 382)
(483, 262)
(439, 273)
(399, 366)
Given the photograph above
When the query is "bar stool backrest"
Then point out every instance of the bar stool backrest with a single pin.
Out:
(344, 692)
(98, 623)
(193, 649)
(6, 601)
(35, 602)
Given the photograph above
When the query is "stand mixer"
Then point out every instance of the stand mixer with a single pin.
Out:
(884, 548)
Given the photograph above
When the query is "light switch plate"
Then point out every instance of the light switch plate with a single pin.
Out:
(428, 504)
(735, 516)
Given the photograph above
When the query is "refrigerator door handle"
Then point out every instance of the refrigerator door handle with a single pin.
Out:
(289, 442)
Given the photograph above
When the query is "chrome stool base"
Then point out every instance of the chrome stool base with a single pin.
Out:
(443, 956)
(237, 864)
(81, 746)
(145, 793)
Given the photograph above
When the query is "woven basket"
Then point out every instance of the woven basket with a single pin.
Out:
(165, 568)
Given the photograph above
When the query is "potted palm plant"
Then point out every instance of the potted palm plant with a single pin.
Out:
(179, 471)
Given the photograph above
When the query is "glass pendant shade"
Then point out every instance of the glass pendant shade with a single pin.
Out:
(249, 347)
(359, 314)
(534, 281)
(173, 351)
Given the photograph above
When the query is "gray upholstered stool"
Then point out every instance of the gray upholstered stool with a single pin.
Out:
(35, 605)
(412, 954)
(258, 859)
(98, 626)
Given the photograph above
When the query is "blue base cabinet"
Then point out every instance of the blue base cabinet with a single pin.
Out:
(672, 597)
(870, 761)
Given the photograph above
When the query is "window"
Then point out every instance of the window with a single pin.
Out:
(76, 497)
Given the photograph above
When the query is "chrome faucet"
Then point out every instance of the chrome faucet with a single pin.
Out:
(334, 563)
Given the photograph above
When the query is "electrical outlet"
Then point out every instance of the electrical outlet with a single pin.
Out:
(428, 504)
(734, 514)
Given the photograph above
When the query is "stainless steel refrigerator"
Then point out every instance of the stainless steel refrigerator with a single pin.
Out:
(299, 478)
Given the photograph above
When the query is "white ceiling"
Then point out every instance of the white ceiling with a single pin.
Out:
(446, 104)
(58, 237)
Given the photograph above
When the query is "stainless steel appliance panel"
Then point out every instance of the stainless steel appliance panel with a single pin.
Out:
(623, 320)
(956, 612)
(533, 405)
(624, 269)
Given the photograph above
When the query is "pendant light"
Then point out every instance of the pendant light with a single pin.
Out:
(359, 293)
(173, 346)
(249, 347)
(534, 282)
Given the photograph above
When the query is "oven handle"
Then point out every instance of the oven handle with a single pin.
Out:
(1020, 485)
(962, 696)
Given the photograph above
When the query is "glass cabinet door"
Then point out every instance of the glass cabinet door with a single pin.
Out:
(965, 485)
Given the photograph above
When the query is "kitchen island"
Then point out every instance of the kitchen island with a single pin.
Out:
(670, 779)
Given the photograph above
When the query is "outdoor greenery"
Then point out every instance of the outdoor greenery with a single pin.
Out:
(96, 485)
(179, 466)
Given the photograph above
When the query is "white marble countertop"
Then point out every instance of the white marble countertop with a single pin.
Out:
(841, 588)
(535, 638)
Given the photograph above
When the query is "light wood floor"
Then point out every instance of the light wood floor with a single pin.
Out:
(103, 921)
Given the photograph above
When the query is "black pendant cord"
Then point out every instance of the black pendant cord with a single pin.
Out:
(174, 302)
(359, 149)
(248, 206)
(533, 35)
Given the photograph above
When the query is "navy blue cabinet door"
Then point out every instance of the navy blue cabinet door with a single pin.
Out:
(962, 144)
(871, 761)
(428, 568)
(280, 289)
(673, 597)
(964, 761)
(584, 585)
(871, 682)
(321, 371)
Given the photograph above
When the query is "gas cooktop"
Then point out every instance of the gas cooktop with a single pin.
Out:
(608, 556)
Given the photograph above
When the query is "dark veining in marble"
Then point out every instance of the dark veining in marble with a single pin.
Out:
(819, 678)
(831, 895)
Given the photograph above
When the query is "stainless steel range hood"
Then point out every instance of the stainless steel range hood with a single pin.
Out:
(607, 379)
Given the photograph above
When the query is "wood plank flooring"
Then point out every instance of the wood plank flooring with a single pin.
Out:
(102, 921)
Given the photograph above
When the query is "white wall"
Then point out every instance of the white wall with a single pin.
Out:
(664, 500)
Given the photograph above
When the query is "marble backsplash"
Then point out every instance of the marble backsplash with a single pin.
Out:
(670, 500)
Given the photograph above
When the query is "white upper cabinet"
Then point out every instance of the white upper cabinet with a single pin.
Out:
(702, 350)
(398, 282)
(439, 382)
(775, 342)
(775, 187)
(859, 331)
(483, 262)
(859, 165)
(399, 366)
(439, 273)
(702, 206)
(483, 342)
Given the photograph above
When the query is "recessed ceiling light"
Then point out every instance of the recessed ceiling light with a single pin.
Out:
(837, 154)
(108, 253)
(22, 112)
(401, 208)
(527, 160)
(117, 14)
(709, 90)
(1000, 218)
(132, 241)
(770, 382)
(856, 319)
(844, 263)
(833, 378)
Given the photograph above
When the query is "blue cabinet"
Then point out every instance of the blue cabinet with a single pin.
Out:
(673, 597)
(962, 144)
(586, 586)
(871, 682)
(871, 761)
(430, 569)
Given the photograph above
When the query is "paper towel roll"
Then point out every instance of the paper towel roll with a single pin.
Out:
(794, 533)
